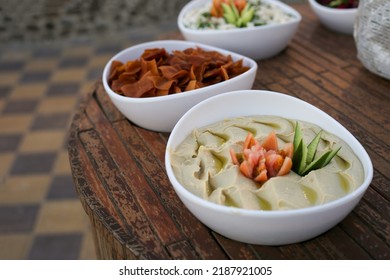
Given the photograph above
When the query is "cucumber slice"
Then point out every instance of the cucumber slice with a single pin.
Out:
(331, 155)
(228, 14)
(320, 162)
(299, 157)
(312, 148)
(297, 136)
(316, 164)
(235, 11)
(304, 156)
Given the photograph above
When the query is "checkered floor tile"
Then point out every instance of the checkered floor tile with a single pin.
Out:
(41, 216)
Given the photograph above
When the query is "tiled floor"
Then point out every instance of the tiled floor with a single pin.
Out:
(40, 85)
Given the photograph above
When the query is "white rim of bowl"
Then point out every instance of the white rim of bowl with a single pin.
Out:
(236, 56)
(285, 7)
(269, 213)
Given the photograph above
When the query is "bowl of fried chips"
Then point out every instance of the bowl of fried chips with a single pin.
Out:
(153, 84)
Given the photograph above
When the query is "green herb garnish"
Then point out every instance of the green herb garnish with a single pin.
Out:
(304, 159)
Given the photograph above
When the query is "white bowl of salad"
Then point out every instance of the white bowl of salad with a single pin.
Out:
(255, 28)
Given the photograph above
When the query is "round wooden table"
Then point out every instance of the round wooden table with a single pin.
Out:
(119, 174)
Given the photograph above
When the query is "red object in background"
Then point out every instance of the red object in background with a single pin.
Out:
(339, 4)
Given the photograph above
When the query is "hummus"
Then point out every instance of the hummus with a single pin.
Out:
(203, 165)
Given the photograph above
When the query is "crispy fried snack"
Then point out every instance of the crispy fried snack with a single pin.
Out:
(159, 73)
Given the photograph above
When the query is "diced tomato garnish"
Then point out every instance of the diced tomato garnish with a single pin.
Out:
(262, 177)
(286, 167)
(288, 150)
(234, 157)
(246, 168)
(271, 142)
(263, 161)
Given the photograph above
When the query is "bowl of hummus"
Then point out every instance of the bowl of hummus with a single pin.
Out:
(262, 173)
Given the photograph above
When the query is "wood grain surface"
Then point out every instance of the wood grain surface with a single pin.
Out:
(119, 172)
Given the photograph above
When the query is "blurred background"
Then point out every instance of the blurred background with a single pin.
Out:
(51, 51)
(48, 20)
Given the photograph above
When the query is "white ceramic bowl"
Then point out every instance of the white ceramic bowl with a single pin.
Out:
(265, 227)
(161, 113)
(339, 20)
(258, 42)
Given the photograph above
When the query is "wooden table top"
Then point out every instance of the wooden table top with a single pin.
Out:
(119, 172)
